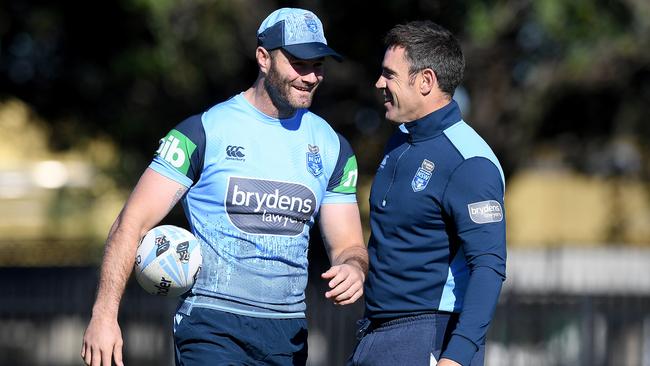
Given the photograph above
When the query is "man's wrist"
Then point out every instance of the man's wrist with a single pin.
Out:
(105, 311)
(460, 349)
(358, 262)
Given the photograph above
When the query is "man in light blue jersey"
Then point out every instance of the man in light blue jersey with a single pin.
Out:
(253, 173)
(438, 242)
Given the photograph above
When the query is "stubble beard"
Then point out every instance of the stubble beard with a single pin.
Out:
(278, 92)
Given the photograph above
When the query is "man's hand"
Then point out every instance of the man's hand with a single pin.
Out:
(102, 343)
(346, 283)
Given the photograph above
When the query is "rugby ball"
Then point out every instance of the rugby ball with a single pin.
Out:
(167, 261)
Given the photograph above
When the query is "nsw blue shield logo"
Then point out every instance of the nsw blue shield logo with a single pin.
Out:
(311, 24)
(422, 176)
(314, 161)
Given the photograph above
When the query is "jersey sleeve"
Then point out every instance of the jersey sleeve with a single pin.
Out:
(342, 186)
(181, 152)
(474, 201)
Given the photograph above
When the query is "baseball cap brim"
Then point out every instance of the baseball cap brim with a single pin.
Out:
(310, 51)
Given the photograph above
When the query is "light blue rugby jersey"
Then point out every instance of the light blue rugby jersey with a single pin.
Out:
(255, 186)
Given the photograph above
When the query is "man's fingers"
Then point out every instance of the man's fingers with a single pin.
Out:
(330, 273)
(338, 285)
(96, 356)
(348, 293)
(336, 276)
(117, 352)
(107, 355)
(332, 294)
(342, 273)
(337, 280)
(344, 285)
(86, 353)
(345, 290)
(351, 300)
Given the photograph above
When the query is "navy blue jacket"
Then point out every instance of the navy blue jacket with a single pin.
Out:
(438, 239)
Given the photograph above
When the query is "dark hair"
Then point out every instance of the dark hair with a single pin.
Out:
(428, 45)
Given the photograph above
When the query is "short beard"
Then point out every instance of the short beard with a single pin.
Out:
(274, 88)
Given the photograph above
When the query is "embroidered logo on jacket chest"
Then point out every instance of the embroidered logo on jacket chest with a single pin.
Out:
(422, 175)
(314, 160)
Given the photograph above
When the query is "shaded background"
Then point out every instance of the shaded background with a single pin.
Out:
(560, 89)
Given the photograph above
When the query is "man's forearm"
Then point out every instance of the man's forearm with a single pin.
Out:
(116, 268)
(479, 304)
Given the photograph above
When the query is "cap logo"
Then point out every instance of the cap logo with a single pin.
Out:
(311, 24)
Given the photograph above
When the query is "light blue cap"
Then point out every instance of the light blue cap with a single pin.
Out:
(297, 31)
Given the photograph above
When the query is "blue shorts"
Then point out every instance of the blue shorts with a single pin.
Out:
(415, 341)
(213, 337)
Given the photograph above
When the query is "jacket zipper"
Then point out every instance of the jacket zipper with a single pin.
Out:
(390, 185)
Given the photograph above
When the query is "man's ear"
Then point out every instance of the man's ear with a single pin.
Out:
(263, 58)
(428, 81)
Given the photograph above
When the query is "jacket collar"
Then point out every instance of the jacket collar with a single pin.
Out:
(433, 123)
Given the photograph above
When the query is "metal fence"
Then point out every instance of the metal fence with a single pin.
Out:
(44, 311)
(559, 329)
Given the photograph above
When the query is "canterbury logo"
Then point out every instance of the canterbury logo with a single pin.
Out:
(235, 151)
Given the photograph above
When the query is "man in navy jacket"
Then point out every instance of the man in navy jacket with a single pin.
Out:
(438, 243)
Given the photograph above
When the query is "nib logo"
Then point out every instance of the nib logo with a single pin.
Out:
(176, 149)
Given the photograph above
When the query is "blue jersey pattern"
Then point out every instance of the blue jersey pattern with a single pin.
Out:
(255, 185)
(436, 214)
